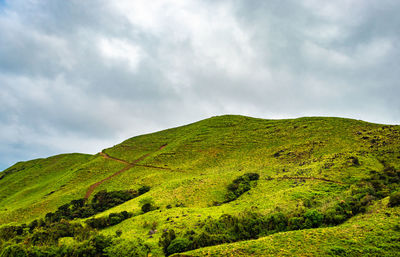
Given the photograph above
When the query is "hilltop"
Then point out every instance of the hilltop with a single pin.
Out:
(307, 186)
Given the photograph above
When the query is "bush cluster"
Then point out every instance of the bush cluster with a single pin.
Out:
(125, 248)
(229, 228)
(394, 199)
(45, 233)
(94, 246)
(240, 185)
(147, 204)
(111, 220)
(226, 229)
(384, 182)
(101, 201)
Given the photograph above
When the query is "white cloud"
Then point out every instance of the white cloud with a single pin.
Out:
(372, 53)
(83, 74)
(326, 33)
(116, 50)
(348, 12)
(326, 56)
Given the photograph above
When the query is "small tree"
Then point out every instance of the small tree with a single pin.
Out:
(147, 204)
(166, 239)
(394, 199)
(178, 245)
(143, 189)
(313, 219)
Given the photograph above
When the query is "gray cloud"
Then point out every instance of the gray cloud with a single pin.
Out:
(84, 75)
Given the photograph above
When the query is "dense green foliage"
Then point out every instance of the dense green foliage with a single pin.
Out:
(394, 199)
(97, 245)
(125, 248)
(101, 201)
(46, 232)
(111, 220)
(240, 186)
(147, 204)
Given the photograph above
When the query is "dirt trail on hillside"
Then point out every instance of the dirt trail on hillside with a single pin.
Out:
(312, 178)
(129, 165)
(113, 158)
(154, 167)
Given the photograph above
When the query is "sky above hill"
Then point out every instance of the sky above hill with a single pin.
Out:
(79, 76)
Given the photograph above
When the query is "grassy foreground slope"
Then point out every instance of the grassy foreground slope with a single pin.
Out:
(29, 190)
(306, 163)
(376, 233)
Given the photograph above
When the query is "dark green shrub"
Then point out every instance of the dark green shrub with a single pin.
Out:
(125, 248)
(166, 239)
(228, 228)
(229, 197)
(147, 204)
(354, 161)
(111, 220)
(394, 199)
(295, 223)
(178, 245)
(95, 246)
(143, 189)
(34, 224)
(40, 238)
(13, 251)
(147, 207)
(276, 222)
(313, 219)
(76, 204)
(206, 239)
(6, 233)
(115, 219)
(102, 201)
(332, 217)
(98, 223)
(100, 243)
(118, 233)
(252, 176)
(240, 185)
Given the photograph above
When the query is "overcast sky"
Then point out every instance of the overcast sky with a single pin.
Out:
(80, 76)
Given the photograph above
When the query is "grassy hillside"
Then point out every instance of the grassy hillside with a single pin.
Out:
(375, 233)
(306, 164)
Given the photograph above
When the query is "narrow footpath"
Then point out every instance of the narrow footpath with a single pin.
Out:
(128, 166)
(311, 178)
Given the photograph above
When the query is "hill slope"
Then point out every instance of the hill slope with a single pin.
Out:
(306, 165)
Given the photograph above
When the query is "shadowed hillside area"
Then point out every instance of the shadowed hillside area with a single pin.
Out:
(227, 185)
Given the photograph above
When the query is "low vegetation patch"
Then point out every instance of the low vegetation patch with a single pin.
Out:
(102, 201)
(394, 199)
(240, 186)
(111, 220)
(40, 237)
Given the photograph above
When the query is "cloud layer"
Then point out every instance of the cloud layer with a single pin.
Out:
(84, 75)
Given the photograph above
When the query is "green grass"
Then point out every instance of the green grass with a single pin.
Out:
(40, 186)
(375, 233)
(199, 161)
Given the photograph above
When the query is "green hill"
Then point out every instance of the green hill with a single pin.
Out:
(227, 185)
